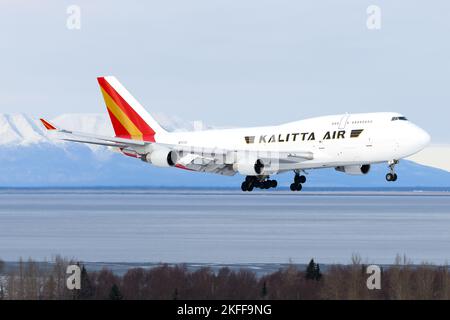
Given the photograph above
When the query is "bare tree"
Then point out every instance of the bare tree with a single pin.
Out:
(133, 284)
(103, 281)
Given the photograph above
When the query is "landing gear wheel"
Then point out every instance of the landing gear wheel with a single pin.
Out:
(248, 184)
(252, 182)
(390, 177)
(299, 179)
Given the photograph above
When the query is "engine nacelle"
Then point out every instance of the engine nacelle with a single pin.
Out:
(355, 170)
(162, 157)
(249, 167)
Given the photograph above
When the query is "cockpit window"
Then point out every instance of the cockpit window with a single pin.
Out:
(399, 118)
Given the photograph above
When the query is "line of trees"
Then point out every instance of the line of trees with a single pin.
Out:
(399, 281)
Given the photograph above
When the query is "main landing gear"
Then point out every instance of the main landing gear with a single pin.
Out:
(298, 181)
(392, 176)
(252, 182)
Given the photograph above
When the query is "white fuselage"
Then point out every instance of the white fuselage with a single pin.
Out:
(348, 142)
(337, 140)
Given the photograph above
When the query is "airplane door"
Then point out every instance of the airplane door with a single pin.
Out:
(334, 146)
(344, 121)
(349, 147)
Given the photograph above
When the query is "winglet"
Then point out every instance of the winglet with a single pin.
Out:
(48, 125)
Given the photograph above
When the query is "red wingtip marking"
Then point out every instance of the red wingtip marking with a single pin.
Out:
(47, 125)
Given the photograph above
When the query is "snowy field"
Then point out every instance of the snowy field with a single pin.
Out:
(223, 226)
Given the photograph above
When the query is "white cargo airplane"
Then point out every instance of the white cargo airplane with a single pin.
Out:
(350, 143)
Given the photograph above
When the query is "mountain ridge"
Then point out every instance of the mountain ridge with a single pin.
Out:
(31, 157)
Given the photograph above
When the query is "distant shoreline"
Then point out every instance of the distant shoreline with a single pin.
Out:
(260, 269)
(208, 190)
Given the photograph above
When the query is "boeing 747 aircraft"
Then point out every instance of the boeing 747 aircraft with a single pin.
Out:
(350, 143)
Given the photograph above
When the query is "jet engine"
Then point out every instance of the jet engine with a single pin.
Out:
(162, 157)
(355, 170)
(248, 167)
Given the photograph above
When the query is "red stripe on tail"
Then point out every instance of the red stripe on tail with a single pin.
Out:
(119, 129)
(147, 132)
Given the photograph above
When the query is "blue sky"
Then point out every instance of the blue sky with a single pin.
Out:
(240, 63)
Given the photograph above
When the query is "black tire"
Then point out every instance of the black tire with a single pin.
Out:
(296, 179)
(390, 177)
(250, 188)
(299, 187)
(395, 177)
(274, 183)
(302, 179)
(293, 187)
(244, 186)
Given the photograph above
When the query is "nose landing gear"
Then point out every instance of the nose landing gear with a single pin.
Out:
(392, 176)
(298, 181)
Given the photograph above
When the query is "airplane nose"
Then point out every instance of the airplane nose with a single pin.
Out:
(423, 138)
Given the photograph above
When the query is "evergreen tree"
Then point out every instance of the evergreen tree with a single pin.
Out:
(86, 291)
(310, 269)
(175, 294)
(313, 271)
(115, 293)
(264, 290)
(317, 273)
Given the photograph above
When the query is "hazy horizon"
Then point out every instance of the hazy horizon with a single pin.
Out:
(230, 64)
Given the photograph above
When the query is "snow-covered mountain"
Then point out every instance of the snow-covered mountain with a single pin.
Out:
(22, 130)
(437, 156)
(99, 123)
(31, 157)
(19, 129)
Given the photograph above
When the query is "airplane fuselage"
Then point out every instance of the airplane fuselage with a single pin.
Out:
(337, 140)
(348, 142)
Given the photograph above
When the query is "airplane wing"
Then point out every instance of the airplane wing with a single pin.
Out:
(212, 160)
(221, 161)
(215, 164)
(92, 138)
